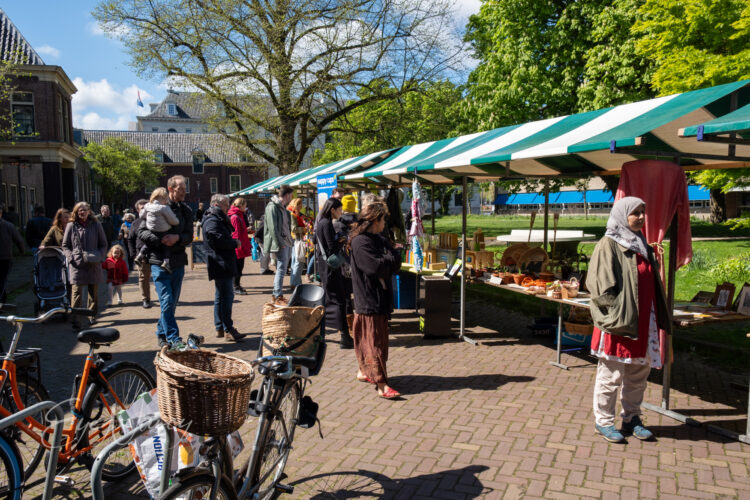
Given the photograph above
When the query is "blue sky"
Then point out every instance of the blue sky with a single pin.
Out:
(65, 34)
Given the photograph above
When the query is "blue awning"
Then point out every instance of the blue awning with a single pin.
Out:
(695, 193)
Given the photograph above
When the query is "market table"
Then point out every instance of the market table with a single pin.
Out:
(566, 241)
(680, 320)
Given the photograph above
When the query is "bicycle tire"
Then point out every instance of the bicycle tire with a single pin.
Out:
(31, 392)
(128, 381)
(198, 486)
(275, 447)
(11, 481)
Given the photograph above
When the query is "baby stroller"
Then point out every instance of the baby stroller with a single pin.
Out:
(50, 279)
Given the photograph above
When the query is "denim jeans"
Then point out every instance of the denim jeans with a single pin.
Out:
(223, 299)
(282, 258)
(311, 264)
(296, 277)
(168, 286)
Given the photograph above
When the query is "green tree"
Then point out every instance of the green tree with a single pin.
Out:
(696, 44)
(9, 74)
(427, 114)
(121, 167)
(281, 72)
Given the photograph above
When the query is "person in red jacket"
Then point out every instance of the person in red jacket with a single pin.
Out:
(237, 217)
(117, 273)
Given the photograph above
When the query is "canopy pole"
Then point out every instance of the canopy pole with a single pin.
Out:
(546, 213)
(464, 269)
(432, 196)
(672, 270)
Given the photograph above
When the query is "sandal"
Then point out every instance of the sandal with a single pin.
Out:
(366, 380)
(390, 393)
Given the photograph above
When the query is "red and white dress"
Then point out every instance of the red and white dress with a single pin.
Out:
(645, 349)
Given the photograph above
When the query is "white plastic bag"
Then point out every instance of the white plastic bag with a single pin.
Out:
(148, 449)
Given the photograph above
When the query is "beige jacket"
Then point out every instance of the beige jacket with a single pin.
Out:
(612, 280)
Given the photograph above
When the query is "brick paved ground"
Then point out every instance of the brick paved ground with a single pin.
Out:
(487, 421)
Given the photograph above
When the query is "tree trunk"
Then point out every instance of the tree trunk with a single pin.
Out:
(612, 182)
(718, 206)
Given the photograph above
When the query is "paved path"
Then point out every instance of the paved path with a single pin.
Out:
(488, 421)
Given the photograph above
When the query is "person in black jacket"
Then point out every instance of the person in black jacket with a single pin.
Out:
(168, 285)
(373, 262)
(134, 246)
(222, 263)
(36, 228)
(329, 243)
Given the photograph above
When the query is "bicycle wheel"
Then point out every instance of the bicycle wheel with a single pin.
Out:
(198, 487)
(31, 393)
(11, 470)
(128, 381)
(276, 439)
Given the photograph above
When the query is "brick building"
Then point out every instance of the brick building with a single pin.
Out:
(38, 161)
(210, 163)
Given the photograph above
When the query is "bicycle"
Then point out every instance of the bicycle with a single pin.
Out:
(100, 392)
(278, 405)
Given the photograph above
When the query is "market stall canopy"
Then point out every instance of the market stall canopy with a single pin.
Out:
(592, 143)
(310, 175)
(736, 121)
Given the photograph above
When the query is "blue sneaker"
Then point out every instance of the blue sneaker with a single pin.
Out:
(635, 427)
(610, 433)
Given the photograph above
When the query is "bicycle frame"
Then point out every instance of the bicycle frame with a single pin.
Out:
(36, 430)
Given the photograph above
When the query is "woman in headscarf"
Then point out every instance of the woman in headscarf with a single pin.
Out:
(330, 243)
(373, 263)
(628, 306)
(85, 247)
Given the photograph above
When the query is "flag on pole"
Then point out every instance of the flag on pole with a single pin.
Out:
(139, 102)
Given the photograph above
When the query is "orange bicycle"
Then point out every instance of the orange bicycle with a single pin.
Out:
(100, 392)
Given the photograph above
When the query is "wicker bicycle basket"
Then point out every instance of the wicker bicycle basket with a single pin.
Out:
(201, 391)
(578, 328)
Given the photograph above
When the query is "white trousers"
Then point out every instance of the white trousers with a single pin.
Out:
(113, 290)
(629, 379)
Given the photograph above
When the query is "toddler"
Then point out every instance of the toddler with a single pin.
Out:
(159, 220)
(117, 273)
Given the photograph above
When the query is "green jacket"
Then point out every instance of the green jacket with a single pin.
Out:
(612, 280)
(276, 232)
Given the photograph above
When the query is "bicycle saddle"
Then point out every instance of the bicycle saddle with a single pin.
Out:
(98, 335)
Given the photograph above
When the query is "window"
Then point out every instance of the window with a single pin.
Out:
(150, 188)
(154, 129)
(188, 131)
(22, 105)
(234, 183)
(66, 120)
(60, 123)
(172, 109)
(187, 184)
(214, 185)
(244, 158)
(159, 156)
(198, 160)
(12, 197)
(205, 130)
(458, 199)
(171, 130)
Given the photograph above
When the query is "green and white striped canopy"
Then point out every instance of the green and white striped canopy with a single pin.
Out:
(595, 142)
(736, 121)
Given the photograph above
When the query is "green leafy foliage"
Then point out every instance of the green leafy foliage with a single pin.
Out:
(121, 167)
(734, 270)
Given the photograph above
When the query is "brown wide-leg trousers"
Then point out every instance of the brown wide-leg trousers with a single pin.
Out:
(370, 332)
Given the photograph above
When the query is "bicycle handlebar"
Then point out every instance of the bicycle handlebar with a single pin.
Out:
(290, 360)
(44, 317)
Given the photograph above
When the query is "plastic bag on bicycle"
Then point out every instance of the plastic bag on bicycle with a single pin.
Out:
(148, 449)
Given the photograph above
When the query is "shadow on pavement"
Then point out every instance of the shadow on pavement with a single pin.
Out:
(368, 484)
(416, 384)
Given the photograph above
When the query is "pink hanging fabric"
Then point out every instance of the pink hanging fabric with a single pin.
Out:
(663, 186)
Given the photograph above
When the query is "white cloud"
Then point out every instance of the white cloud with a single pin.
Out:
(95, 29)
(48, 50)
(468, 7)
(99, 105)
(101, 94)
(94, 121)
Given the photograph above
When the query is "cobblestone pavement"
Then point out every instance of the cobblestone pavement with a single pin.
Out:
(489, 421)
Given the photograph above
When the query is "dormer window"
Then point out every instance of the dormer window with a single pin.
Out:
(159, 156)
(172, 109)
(198, 160)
